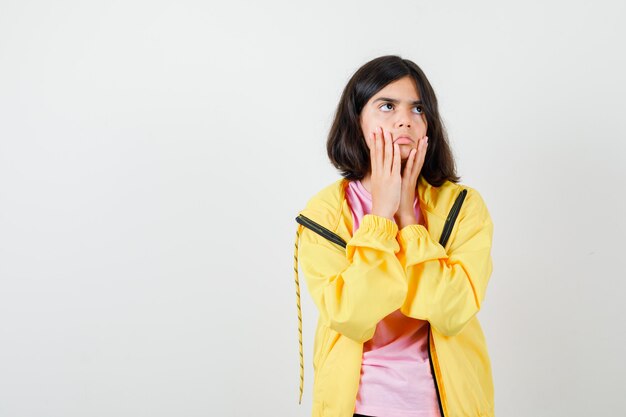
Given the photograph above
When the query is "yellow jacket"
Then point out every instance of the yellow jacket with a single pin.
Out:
(357, 280)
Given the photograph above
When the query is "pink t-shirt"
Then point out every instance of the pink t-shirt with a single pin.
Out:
(396, 380)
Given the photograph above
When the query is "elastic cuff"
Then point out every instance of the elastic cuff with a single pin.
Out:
(386, 227)
(411, 232)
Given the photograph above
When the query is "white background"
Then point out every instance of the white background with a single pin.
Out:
(154, 156)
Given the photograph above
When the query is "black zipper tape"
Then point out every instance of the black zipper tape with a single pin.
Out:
(432, 371)
(454, 212)
(321, 230)
(445, 234)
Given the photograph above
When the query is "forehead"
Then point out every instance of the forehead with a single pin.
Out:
(404, 89)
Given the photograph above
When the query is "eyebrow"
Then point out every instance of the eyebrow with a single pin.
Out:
(395, 101)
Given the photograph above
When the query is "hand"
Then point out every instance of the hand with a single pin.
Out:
(385, 177)
(405, 214)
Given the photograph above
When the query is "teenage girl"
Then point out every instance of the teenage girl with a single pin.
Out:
(396, 256)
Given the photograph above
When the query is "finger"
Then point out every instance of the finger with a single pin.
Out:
(388, 153)
(410, 163)
(424, 148)
(372, 147)
(395, 170)
(379, 151)
(420, 157)
(417, 166)
(414, 171)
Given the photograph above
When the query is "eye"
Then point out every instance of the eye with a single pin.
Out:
(386, 104)
(420, 109)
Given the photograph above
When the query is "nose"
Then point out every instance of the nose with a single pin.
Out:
(404, 119)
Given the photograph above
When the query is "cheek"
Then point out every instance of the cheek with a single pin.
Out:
(369, 123)
(423, 126)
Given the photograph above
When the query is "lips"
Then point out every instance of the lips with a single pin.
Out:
(403, 140)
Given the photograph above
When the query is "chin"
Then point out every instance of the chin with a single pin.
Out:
(406, 152)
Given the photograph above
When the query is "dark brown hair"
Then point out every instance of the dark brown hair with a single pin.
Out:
(346, 146)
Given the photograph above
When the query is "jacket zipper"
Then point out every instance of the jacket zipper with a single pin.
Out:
(321, 230)
(432, 371)
(454, 212)
(445, 234)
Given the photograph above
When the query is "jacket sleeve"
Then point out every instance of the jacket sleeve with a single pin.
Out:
(447, 289)
(356, 288)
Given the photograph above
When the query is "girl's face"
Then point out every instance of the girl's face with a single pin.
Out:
(397, 108)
